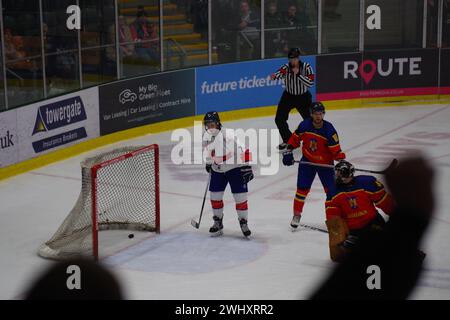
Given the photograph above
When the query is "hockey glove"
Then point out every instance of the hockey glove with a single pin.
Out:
(288, 158)
(208, 168)
(247, 174)
(340, 156)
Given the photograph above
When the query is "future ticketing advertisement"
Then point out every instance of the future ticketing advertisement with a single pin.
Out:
(57, 123)
(241, 85)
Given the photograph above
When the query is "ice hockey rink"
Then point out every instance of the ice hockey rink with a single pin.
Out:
(185, 263)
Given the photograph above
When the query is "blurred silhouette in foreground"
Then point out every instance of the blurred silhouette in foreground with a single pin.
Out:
(393, 250)
(60, 282)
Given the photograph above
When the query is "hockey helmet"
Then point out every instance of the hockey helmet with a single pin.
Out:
(317, 107)
(344, 169)
(212, 117)
(294, 53)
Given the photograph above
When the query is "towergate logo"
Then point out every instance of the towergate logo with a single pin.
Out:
(408, 66)
(59, 114)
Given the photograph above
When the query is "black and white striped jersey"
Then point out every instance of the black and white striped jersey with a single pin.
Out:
(296, 84)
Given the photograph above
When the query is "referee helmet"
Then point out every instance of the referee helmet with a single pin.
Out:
(294, 53)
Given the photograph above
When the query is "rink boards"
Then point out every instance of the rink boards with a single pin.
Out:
(61, 127)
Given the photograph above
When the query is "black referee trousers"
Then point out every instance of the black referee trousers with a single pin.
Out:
(287, 102)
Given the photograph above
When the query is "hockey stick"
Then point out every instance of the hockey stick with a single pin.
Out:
(194, 223)
(391, 166)
(313, 228)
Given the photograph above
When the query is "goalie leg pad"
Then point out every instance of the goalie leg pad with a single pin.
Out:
(338, 232)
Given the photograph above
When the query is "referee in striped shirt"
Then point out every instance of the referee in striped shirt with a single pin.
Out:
(298, 78)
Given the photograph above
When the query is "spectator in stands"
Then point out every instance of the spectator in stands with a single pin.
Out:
(248, 26)
(61, 283)
(249, 20)
(299, 34)
(144, 33)
(272, 17)
(395, 249)
(126, 45)
(272, 20)
(10, 49)
(15, 54)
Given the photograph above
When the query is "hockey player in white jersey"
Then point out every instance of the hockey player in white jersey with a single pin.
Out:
(227, 161)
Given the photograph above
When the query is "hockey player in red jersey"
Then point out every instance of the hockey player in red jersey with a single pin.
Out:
(352, 210)
(320, 145)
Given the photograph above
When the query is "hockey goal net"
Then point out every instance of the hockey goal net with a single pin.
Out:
(119, 190)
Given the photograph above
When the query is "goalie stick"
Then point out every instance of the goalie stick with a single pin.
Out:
(313, 228)
(194, 223)
(391, 166)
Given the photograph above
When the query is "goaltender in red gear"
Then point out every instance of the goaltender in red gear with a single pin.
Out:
(352, 210)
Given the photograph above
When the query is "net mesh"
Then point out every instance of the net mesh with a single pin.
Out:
(126, 198)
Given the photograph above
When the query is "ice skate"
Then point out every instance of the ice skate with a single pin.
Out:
(244, 227)
(216, 229)
(295, 222)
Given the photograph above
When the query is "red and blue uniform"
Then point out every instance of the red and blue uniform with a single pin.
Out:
(357, 202)
(319, 145)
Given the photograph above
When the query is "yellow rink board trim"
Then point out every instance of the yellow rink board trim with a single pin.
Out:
(225, 116)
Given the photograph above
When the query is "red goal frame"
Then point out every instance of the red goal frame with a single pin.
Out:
(94, 172)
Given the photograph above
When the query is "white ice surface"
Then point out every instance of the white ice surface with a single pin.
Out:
(185, 263)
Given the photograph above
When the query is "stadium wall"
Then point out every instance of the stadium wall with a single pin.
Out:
(41, 133)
